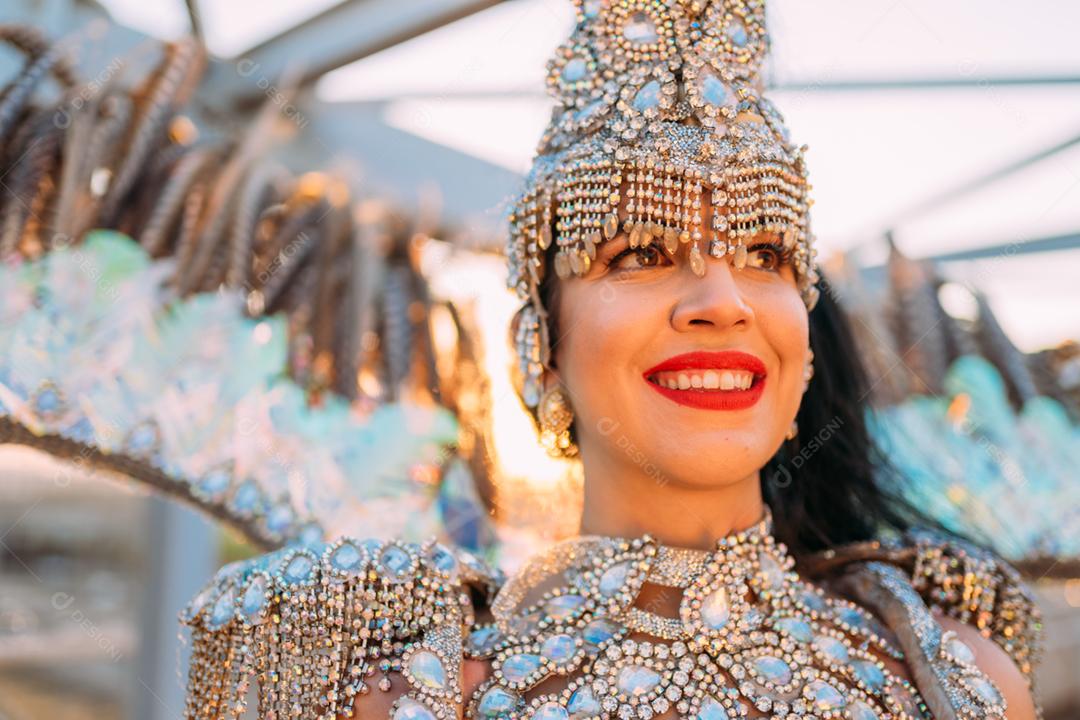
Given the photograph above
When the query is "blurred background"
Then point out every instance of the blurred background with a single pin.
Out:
(945, 160)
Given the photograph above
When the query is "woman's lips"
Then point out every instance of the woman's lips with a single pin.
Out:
(710, 380)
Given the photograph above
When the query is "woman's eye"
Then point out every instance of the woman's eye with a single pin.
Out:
(767, 256)
(640, 257)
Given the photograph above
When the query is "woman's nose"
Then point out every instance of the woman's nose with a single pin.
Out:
(713, 299)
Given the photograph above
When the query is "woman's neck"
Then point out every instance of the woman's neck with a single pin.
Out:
(630, 504)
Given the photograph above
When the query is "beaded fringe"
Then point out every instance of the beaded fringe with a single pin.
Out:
(311, 628)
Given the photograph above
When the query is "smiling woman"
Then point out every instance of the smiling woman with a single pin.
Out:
(744, 550)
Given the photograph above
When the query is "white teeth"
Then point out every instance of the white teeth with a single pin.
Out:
(705, 379)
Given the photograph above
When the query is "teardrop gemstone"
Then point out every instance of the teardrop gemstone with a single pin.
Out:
(574, 70)
(254, 599)
(637, 680)
(960, 650)
(426, 667)
(869, 674)
(517, 668)
(395, 560)
(346, 557)
(648, 96)
(563, 607)
(550, 710)
(223, 609)
(715, 91)
(614, 578)
(559, 649)
(483, 639)
(498, 702)
(299, 569)
(824, 696)
(797, 628)
(409, 709)
(711, 709)
(715, 609)
(736, 32)
(984, 689)
(583, 703)
(859, 710)
(597, 631)
(831, 648)
(773, 669)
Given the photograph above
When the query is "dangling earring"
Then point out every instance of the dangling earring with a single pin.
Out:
(793, 430)
(555, 416)
(808, 371)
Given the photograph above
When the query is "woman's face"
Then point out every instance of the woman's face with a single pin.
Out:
(644, 343)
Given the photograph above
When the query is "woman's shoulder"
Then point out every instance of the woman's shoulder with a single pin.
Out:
(335, 626)
(986, 613)
(957, 579)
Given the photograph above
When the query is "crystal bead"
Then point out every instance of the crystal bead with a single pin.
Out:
(444, 560)
(550, 710)
(214, 483)
(808, 597)
(427, 668)
(574, 70)
(736, 32)
(711, 709)
(637, 680)
(648, 96)
(640, 28)
(279, 518)
(697, 264)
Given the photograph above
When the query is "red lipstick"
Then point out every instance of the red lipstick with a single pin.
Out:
(712, 399)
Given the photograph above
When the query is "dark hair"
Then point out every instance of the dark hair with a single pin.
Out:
(831, 484)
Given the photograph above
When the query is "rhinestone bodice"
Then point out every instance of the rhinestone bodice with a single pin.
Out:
(751, 638)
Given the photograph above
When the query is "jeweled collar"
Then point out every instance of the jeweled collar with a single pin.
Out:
(604, 574)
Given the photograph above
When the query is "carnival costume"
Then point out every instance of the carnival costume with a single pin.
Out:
(659, 113)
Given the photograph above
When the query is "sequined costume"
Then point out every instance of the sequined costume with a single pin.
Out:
(316, 628)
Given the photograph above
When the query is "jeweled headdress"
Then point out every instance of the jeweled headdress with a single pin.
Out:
(660, 101)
